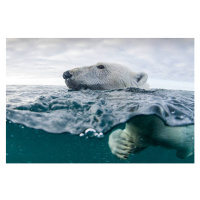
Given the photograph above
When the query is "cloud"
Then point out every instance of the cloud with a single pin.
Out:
(171, 59)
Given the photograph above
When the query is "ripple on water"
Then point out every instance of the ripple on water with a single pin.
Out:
(58, 110)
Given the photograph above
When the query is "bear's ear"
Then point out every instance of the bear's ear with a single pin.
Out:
(140, 78)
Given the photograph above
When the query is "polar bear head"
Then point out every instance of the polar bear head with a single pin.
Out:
(104, 76)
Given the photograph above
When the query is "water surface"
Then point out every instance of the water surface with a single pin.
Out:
(45, 123)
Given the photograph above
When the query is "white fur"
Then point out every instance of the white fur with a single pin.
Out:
(144, 131)
(112, 76)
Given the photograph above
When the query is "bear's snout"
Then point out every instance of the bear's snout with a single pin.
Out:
(67, 75)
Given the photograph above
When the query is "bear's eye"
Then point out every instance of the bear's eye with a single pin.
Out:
(100, 66)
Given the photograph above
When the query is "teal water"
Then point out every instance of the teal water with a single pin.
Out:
(43, 124)
(27, 145)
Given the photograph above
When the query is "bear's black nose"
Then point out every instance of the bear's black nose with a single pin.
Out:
(67, 75)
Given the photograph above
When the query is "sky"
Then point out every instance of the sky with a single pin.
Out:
(168, 62)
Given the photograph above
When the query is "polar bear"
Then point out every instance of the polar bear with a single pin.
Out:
(141, 131)
(149, 130)
(104, 76)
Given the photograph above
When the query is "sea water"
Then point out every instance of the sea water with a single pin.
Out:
(51, 124)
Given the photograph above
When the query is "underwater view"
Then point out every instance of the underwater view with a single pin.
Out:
(51, 124)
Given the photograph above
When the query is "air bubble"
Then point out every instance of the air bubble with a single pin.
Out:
(90, 132)
(100, 135)
(81, 134)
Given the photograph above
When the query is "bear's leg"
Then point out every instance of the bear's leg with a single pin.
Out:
(120, 144)
(188, 148)
(124, 142)
(180, 138)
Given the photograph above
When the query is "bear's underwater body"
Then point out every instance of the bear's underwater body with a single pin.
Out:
(141, 131)
(149, 130)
